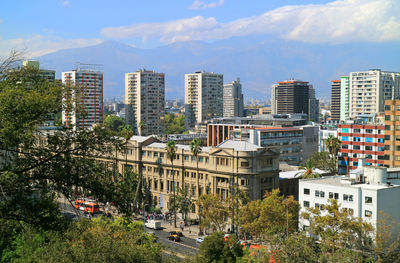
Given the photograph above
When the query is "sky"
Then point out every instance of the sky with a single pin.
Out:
(44, 26)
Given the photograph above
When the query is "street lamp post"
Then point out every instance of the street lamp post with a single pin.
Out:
(144, 218)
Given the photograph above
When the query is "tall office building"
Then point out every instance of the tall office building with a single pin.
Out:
(344, 98)
(233, 99)
(392, 135)
(295, 96)
(86, 83)
(370, 89)
(145, 101)
(203, 97)
(335, 100)
(313, 105)
(50, 75)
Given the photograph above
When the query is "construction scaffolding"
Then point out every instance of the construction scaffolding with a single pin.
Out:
(88, 67)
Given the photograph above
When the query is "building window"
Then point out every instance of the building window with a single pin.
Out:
(345, 138)
(356, 139)
(321, 193)
(330, 195)
(316, 205)
(316, 193)
(368, 140)
(186, 158)
(244, 164)
(368, 131)
(356, 130)
(368, 213)
(336, 196)
(306, 191)
(368, 200)
(306, 204)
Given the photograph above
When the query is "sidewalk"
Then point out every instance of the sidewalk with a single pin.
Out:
(188, 231)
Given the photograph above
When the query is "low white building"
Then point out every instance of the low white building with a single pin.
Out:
(366, 193)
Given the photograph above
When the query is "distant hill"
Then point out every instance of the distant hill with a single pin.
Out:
(258, 61)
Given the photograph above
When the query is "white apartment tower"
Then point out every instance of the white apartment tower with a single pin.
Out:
(145, 101)
(368, 91)
(203, 97)
(86, 90)
(233, 99)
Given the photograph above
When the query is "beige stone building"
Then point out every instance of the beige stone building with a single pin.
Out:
(253, 168)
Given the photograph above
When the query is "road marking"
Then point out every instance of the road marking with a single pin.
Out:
(179, 255)
(178, 243)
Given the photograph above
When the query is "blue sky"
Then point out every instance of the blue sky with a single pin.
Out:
(44, 26)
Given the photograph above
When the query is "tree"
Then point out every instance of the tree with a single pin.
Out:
(174, 124)
(141, 126)
(273, 215)
(387, 240)
(297, 247)
(195, 149)
(215, 249)
(333, 145)
(307, 170)
(96, 240)
(338, 232)
(184, 201)
(171, 153)
(213, 213)
(114, 123)
(323, 161)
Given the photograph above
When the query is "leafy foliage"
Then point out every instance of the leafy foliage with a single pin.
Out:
(213, 213)
(174, 124)
(114, 123)
(263, 218)
(322, 160)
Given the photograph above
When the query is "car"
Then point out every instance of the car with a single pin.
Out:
(175, 238)
(178, 233)
(200, 239)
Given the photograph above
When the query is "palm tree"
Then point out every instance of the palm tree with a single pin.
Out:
(333, 145)
(307, 170)
(171, 153)
(195, 148)
(127, 133)
(141, 126)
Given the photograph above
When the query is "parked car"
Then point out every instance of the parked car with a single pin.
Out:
(178, 233)
(200, 239)
(175, 238)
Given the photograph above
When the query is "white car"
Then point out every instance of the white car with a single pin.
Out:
(200, 239)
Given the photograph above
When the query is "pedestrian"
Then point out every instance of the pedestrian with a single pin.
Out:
(181, 226)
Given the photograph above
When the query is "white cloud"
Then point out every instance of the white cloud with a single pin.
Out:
(334, 22)
(38, 45)
(198, 4)
(66, 3)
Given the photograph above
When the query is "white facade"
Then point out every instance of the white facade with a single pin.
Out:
(323, 135)
(203, 97)
(368, 91)
(362, 199)
(344, 98)
(233, 99)
(145, 101)
(88, 94)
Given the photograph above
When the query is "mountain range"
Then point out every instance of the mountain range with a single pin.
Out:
(258, 61)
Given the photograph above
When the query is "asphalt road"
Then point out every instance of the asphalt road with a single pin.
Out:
(187, 246)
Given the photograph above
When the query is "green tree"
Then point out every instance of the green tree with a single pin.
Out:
(215, 249)
(273, 215)
(184, 201)
(307, 170)
(323, 161)
(113, 123)
(174, 124)
(339, 232)
(333, 145)
(297, 247)
(195, 149)
(171, 153)
(387, 240)
(214, 212)
(141, 126)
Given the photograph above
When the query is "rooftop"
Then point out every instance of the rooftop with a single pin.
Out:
(161, 145)
(241, 146)
(345, 181)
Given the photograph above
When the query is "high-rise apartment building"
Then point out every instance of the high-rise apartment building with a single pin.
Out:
(392, 133)
(295, 96)
(344, 98)
(203, 97)
(360, 141)
(145, 101)
(370, 89)
(335, 100)
(233, 99)
(86, 90)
